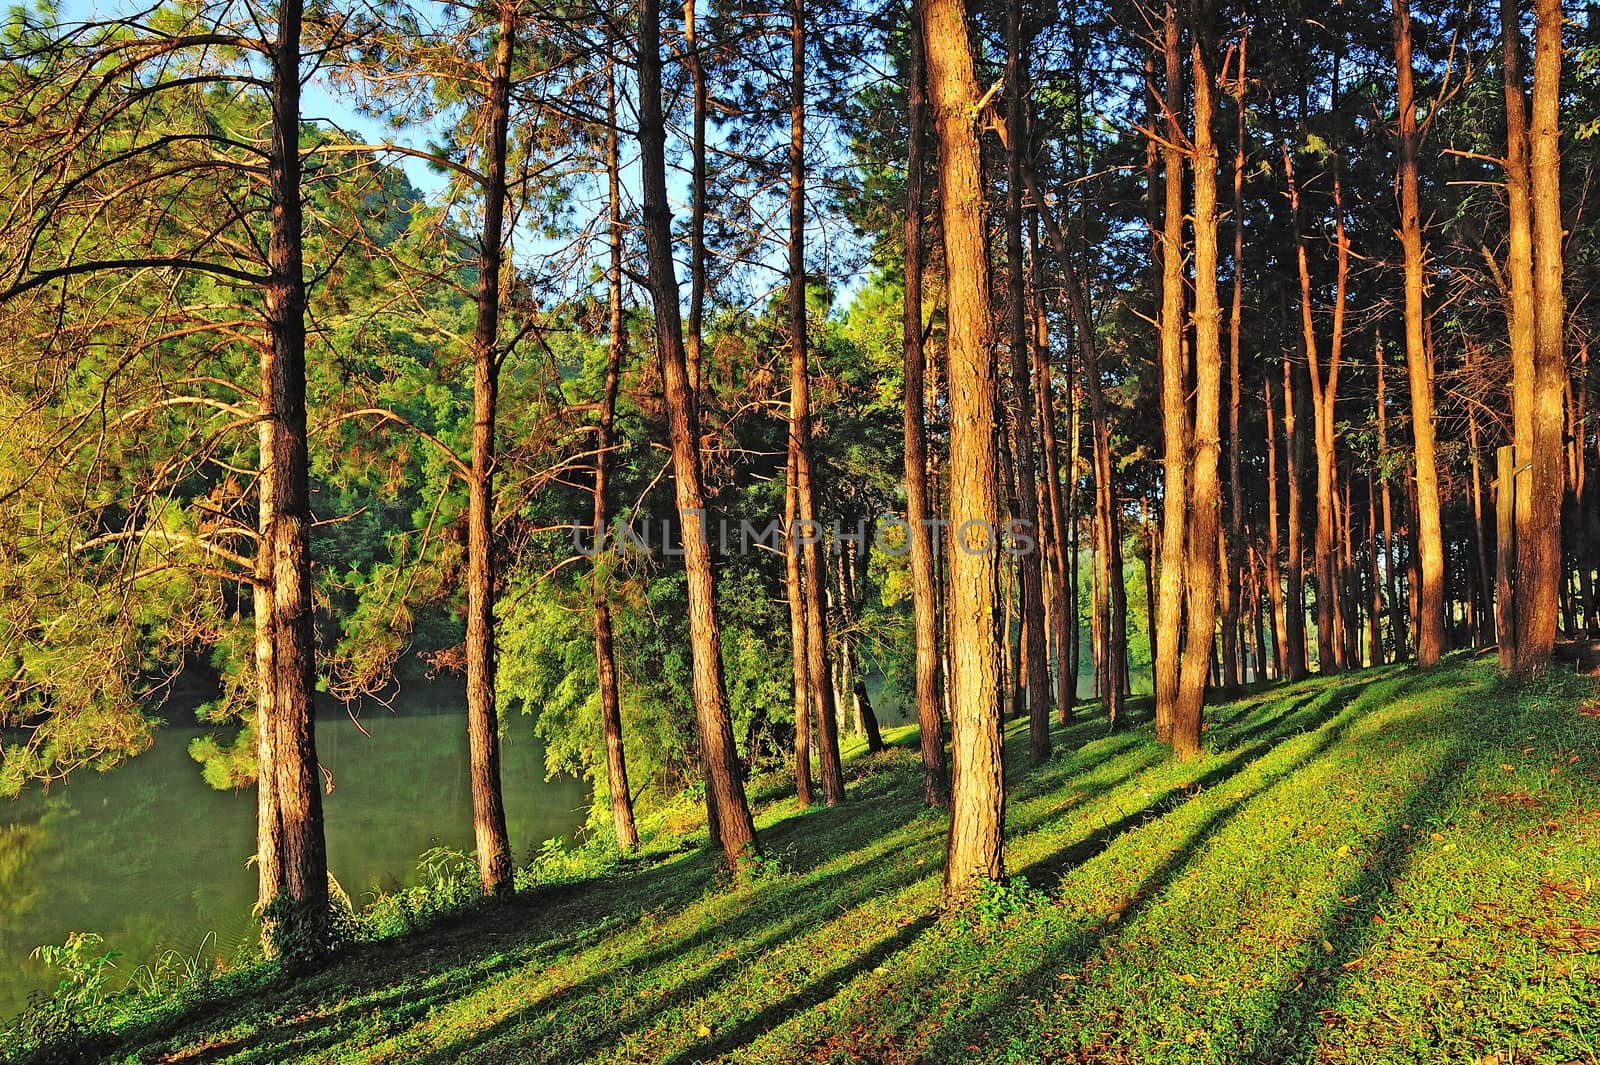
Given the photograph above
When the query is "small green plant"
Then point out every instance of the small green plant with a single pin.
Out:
(62, 1026)
(997, 903)
(174, 971)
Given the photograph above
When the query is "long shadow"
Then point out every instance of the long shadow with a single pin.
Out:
(956, 1036)
(1315, 985)
(816, 894)
(759, 919)
(433, 957)
(1241, 759)
(822, 989)
(773, 916)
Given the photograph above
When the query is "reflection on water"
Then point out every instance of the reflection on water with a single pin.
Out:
(153, 859)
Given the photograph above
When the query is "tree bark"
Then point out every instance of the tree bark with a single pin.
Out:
(483, 730)
(1539, 576)
(1274, 575)
(978, 797)
(1235, 539)
(1324, 389)
(1064, 602)
(1030, 576)
(1430, 540)
(301, 895)
(924, 594)
(604, 652)
(724, 780)
(1174, 403)
(812, 546)
(1201, 564)
(698, 187)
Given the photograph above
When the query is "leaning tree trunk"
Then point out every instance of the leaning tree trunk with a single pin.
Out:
(1539, 576)
(800, 428)
(1430, 539)
(720, 757)
(977, 808)
(1200, 568)
(604, 652)
(924, 596)
(1174, 405)
(298, 910)
(483, 729)
(1031, 579)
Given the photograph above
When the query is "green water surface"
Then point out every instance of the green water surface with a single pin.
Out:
(153, 859)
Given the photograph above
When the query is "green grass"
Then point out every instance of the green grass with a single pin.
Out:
(1387, 866)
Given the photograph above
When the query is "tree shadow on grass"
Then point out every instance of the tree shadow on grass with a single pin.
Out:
(1079, 946)
(1289, 1033)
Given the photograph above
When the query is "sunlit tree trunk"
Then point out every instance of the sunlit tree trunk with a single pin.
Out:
(724, 781)
(604, 651)
(812, 547)
(1294, 608)
(1174, 401)
(1539, 575)
(1274, 575)
(301, 896)
(1324, 387)
(1519, 325)
(483, 729)
(1235, 538)
(269, 870)
(1202, 555)
(978, 797)
(924, 595)
(1429, 536)
(1031, 584)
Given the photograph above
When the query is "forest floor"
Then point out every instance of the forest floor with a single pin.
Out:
(1383, 866)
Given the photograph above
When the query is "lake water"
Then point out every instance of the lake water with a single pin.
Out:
(152, 858)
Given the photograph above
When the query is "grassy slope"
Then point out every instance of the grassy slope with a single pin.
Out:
(1387, 866)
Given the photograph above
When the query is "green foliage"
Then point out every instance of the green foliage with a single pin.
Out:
(447, 880)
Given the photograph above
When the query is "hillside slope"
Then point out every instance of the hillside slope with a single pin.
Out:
(1386, 866)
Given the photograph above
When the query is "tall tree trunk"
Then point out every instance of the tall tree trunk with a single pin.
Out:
(1031, 584)
(1430, 539)
(724, 780)
(1539, 576)
(1235, 539)
(1274, 575)
(924, 595)
(1391, 564)
(298, 911)
(853, 570)
(800, 425)
(699, 190)
(269, 871)
(798, 638)
(1064, 603)
(1519, 327)
(1111, 612)
(1174, 403)
(1202, 555)
(1324, 387)
(1375, 655)
(978, 801)
(1294, 609)
(483, 729)
(604, 652)
(1485, 583)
